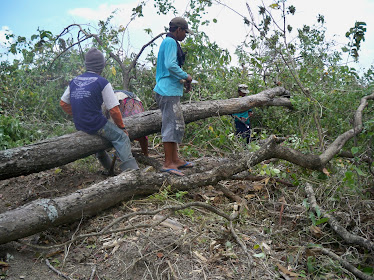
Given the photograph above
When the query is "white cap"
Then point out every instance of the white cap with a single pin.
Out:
(243, 88)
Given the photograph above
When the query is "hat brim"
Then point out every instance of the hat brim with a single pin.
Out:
(244, 91)
(189, 31)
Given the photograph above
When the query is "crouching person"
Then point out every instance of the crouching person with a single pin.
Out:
(83, 99)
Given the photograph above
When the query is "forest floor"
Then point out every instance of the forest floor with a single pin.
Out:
(194, 243)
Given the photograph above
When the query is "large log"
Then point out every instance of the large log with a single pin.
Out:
(42, 214)
(61, 150)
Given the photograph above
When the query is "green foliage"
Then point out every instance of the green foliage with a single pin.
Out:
(188, 212)
(14, 132)
(356, 34)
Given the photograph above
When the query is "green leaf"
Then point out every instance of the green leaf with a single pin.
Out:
(318, 212)
(274, 6)
(310, 264)
(259, 255)
(354, 150)
(312, 217)
(276, 171)
(359, 171)
(321, 221)
(306, 204)
(228, 244)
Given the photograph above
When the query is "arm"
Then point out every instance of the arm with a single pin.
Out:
(111, 103)
(65, 102)
(66, 107)
(116, 115)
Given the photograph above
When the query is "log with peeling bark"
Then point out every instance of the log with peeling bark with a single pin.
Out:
(58, 151)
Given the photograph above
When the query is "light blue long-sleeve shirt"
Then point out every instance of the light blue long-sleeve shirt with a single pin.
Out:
(168, 72)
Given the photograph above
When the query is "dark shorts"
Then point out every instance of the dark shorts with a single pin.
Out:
(243, 131)
(172, 129)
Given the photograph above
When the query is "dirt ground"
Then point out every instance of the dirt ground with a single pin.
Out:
(193, 243)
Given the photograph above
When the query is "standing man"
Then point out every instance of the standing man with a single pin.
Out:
(242, 119)
(83, 99)
(168, 90)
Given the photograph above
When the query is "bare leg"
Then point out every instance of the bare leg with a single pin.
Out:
(172, 159)
(169, 150)
(176, 160)
(143, 141)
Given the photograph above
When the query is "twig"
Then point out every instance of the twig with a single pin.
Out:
(172, 270)
(93, 272)
(242, 245)
(247, 176)
(230, 194)
(59, 273)
(151, 253)
(345, 264)
(347, 236)
(67, 249)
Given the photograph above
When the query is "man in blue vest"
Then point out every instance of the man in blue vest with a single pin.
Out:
(83, 99)
(170, 79)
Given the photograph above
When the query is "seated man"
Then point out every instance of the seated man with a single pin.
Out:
(83, 99)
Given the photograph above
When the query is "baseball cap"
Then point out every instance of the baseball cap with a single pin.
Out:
(180, 22)
(243, 88)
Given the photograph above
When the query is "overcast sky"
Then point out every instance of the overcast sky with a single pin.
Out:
(24, 17)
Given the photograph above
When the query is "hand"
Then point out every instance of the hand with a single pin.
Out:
(188, 86)
(189, 79)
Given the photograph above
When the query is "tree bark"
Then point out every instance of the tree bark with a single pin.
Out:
(61, 150)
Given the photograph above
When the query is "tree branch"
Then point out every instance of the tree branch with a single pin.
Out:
(341, 231)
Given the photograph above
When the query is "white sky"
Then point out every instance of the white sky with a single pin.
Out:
(228, 32)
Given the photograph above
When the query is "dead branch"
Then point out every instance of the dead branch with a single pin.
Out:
(345, 264)
(247, 176)
(233, 196)
(59, 273)
(341, 231)
(318, 162)
(242, 245)
(93, 272)
(340, 141)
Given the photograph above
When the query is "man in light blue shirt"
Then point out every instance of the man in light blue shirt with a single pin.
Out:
(170, 79)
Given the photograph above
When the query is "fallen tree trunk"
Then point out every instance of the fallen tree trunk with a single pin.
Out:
(42, 214)
(58, 151)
